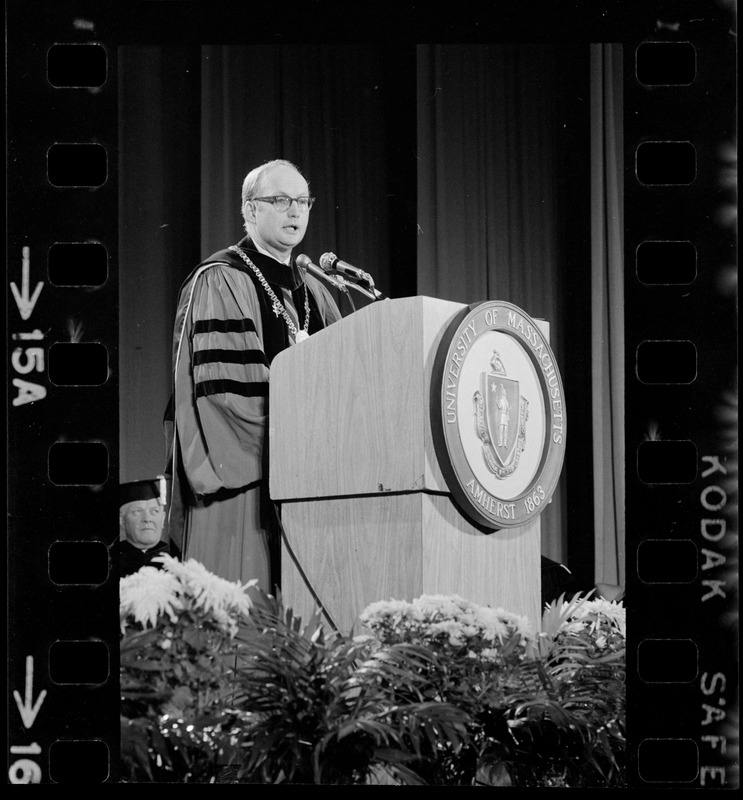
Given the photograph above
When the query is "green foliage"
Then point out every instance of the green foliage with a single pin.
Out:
(176, 691)
(544, 711)
(447, 693)
(321, 708)
(568, 721)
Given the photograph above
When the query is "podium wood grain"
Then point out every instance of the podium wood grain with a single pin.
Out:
(355, 551)
(350, 405)
(365, 506)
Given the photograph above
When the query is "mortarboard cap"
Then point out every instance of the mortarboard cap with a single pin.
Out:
(152, 489)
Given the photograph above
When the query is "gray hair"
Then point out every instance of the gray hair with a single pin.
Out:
(254, 177)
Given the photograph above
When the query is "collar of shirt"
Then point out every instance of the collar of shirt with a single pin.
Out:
(265, 252)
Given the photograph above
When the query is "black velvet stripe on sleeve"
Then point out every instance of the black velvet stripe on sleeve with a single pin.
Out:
(229, 357)
(223, 326)
(243, 388)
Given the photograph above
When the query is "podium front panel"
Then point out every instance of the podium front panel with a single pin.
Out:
(349, 552)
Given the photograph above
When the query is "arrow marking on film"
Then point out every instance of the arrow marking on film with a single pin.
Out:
(28, 708)
(22, 300)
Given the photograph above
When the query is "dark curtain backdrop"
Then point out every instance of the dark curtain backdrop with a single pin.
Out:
(193, 122)
(344, 115)
(456, 172)
(159, 195)
(503, 191)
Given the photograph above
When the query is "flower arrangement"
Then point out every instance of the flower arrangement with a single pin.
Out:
(221, 683)
(445, 620)
(543, 709)
(177, 655)
(151, 593)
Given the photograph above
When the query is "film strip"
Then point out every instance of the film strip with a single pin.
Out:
(681, 406)
(680, 373)
(62, 401)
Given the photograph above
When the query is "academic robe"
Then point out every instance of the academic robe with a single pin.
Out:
(226, 335)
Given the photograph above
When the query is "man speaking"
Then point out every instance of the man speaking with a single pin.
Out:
(236, 311)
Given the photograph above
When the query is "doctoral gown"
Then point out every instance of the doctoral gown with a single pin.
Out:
(226, 335)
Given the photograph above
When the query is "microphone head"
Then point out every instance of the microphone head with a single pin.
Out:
(327, 260)
(303, 261)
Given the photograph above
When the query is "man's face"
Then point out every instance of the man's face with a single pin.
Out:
(142, 522)
(278, 232)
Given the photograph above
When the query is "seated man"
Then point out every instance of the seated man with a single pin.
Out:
(141, 521)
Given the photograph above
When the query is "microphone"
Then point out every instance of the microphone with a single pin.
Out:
(331, 263)
(304, 262)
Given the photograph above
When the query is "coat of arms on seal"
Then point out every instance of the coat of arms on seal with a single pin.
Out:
(500, 418)
(495, 380)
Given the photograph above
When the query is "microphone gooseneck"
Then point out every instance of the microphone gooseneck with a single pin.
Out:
(360, 280)
(331, 263)
(306, 264)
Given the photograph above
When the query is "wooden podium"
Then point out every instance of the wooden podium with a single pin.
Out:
(365, 507)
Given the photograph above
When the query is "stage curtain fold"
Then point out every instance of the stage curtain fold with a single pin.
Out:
(490, 127)
(159, 185)
(607, 311)
(323, 108)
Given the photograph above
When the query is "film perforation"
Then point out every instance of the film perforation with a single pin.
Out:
(77, 264)
(79, 761)
(77, 66)
(667, 461)
(665, 63)
(666, 361)
(78, 364)
(668, 760)
(78, 662)
(667, 660)
(667, 561)
(666, 163)
(666, 263)
(78, 463)
(77, 165)
(78, 563)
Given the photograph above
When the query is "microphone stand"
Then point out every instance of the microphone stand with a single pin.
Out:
(336, 281)
(371, 292)
(341, 282)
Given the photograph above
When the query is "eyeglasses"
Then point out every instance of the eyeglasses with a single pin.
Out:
(283, 203)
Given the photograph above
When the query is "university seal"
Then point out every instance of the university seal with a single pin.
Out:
(498, 415)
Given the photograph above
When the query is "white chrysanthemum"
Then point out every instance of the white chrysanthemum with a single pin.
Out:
(439, 605)
(151, 593)
(490, 624)
(461, 620)
(148, 594)
(450, 628)
(517, 623)
(393, 611)
(595, 611)
(226, 601)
